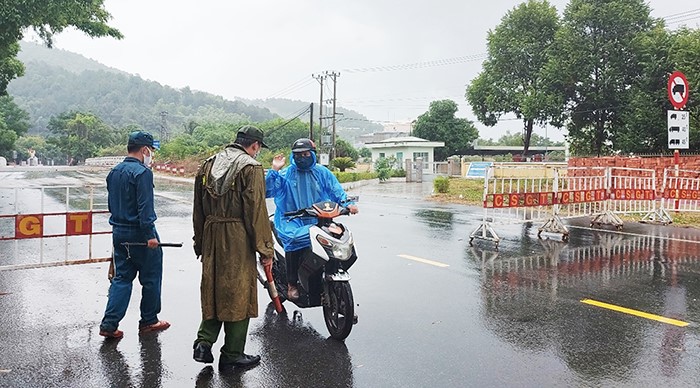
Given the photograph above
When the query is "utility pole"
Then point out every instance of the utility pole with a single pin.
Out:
(334, 77)
(320, 78)
(311, 121)
(163, 126)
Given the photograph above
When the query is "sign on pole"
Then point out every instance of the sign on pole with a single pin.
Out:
(324, 159)
(478, 169)
(678, 90)
(678, 129)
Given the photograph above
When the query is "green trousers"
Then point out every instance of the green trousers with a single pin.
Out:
(235, 334)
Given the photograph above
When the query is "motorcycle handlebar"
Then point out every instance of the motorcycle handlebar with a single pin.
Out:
(344, 211)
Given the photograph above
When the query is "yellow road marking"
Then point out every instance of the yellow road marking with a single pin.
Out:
(637, 313)
(424, 261)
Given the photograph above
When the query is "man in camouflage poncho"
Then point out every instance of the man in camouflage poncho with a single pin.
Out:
(230, 225)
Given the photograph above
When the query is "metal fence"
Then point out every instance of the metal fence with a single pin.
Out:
(53, 225)
(514, 194)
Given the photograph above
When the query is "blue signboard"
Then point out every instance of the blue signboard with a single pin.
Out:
(478, 169)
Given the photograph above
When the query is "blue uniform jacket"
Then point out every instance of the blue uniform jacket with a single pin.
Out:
(295, 189)
(130, 198)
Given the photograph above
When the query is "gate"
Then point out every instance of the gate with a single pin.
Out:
(40, 224)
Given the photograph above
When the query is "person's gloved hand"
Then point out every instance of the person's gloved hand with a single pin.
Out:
(353, 209)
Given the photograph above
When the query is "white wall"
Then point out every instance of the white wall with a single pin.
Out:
(407, 153)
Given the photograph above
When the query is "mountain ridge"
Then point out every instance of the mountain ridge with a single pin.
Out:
(58, 80)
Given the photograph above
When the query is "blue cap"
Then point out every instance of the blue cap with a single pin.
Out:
(140, 138)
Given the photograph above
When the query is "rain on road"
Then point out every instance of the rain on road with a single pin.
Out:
(433, 310)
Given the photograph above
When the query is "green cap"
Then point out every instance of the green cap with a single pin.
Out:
(253, 133)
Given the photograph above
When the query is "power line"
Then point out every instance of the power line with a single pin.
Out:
(684, 20)
(292, 88)
(681, 14)
(303, 111)
(421, 65)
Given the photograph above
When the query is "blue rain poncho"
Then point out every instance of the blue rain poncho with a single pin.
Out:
(295, 189)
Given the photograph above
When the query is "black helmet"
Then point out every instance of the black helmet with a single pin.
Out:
(303, 144)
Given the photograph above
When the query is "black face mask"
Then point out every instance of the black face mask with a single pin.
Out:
(303, 162)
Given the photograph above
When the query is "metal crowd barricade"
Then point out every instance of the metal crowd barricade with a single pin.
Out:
(514, 194)
(632, 191)
(578, 192)
(36, 222)
(681, 191)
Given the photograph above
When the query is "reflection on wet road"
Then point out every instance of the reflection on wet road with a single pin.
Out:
(433, 311)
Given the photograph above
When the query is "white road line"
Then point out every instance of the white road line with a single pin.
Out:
(634, 234)
(424, 261)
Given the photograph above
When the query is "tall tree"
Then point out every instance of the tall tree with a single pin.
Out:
(14, 122)
(345, 149)
(594, 63)
(684, 55)
(512, 79)
(440, 124)
(46, 17)
(643, 118)
(80, 135)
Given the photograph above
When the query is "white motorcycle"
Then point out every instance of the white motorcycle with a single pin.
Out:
(323, 277)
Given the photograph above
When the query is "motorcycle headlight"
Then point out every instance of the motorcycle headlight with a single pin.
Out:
(339, 251)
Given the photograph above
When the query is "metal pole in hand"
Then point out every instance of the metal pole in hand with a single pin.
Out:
(127, 245)
(271, 287)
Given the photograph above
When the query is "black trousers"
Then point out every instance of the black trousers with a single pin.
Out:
(293, 260)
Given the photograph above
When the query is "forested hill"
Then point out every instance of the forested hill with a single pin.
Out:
(57, 81)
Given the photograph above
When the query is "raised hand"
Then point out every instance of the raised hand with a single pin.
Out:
(278, 162)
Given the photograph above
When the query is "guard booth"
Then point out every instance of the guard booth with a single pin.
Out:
(53, 225)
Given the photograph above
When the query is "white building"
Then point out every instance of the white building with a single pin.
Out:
(405, 148)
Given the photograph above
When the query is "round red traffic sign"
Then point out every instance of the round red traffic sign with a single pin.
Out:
(678, 90)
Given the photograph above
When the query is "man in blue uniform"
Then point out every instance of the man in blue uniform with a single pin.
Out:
(130, 200)
(296, 187)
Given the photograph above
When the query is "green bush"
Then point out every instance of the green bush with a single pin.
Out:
(342, 163)
(383, 168)
(441, 184)
(400, 173)
(344, 177)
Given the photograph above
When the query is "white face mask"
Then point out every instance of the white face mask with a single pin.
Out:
(147, 158)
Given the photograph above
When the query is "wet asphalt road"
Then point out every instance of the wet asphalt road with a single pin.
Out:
(471, 316)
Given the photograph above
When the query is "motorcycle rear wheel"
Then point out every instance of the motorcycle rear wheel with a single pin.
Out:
(339, 310)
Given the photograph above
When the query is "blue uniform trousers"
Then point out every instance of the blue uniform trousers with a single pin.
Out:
(148, 264)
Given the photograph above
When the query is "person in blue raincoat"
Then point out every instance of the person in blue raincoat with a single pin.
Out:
(299, 186)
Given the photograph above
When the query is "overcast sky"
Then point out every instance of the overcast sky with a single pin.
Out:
(268, 48)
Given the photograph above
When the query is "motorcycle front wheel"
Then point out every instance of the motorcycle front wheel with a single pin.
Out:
(339, 310)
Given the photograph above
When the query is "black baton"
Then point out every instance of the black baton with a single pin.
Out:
(143, 244)
(160, 244)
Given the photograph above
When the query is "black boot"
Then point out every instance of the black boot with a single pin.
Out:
(202, 353)
(244, 361)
